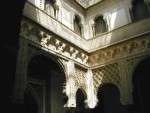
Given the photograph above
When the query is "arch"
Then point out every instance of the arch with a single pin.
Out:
(100, 25)
(49, 56)
(108, 96)
(141, 84)
(77, 24)
(140, 10)
(80, 100)
(46, 68)
(49, 8)
(103, 86)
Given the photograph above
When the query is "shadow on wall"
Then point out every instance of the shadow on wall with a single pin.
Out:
(109, 100)
(141, 86)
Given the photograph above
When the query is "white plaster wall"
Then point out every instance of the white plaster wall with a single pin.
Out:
(67, 14)
(117, 19)
(115, 13)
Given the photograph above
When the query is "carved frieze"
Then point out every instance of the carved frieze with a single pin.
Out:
(119, 51)
(52, 43)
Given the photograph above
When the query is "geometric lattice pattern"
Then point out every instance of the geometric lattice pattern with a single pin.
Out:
(109, 73)
(80, 77)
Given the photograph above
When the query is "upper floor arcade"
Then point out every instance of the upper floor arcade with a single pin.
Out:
(87, 30)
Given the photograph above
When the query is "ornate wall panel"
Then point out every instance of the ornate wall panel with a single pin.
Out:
(106, 74)
(125, 90)
(80, 76)
(131, 65)
(134, 47)
(52, 43)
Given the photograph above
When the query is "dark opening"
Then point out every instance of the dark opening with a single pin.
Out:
(100, 26)
(109, 100)
(29, 105)
(80, 101)
(77, 27)
(140, 10)
(43, 68)
(141, 86)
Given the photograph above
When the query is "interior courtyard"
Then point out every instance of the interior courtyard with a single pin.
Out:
(76, 56)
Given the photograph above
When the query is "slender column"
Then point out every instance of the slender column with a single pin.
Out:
(70, 85)
(126, 93)
(91, 98)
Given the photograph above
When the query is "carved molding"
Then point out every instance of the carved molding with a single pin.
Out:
(119, 51)
(52, 43)
(80, 77)
(101, 6)
(106, 74)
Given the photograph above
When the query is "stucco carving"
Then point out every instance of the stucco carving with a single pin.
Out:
(122, 50)
(53, 43)
(106, 74)
(71, 85)
(80, 76)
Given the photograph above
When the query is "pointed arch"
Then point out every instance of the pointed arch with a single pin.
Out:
(47, 68)
(77, 24)
(100, 25)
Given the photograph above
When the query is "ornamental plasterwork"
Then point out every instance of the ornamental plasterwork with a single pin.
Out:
(106, 74)
(125, 91)
(64, 66)
(80, 76)
(122, 50)
(132, 64)
(71, 85)
(102, 6)
(52, 44)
